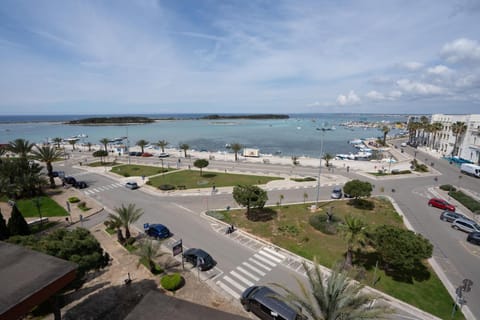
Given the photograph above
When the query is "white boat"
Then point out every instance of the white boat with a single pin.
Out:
(71, 139)
(356, 141)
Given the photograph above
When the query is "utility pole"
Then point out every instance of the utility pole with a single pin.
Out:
(319, 168)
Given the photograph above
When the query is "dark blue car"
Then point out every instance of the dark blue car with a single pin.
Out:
(157, 231)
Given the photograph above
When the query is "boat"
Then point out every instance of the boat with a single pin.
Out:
(71, 139)
(117, 139)
(356, 141)
(228, 145)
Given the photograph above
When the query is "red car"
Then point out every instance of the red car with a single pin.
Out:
(441, 204)
(146, 154)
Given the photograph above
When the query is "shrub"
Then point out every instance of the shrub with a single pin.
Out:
(172, 282)
(129, 241)
(306, 179)
(166, 187)
(126, 175)
(362, 204)
(319, 222)
(73, 200)
(83, 206)
(148, 183)
(448, 187)
(472, 204)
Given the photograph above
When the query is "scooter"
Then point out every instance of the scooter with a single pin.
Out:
(230, 229)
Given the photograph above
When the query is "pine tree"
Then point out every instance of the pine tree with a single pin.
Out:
(17, 224)
(4, 233)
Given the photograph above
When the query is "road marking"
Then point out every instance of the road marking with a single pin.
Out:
(234, 283)
(248, 273)
(96, 190)
(256, 255)
(243, 279)
(254, 269)
(182, 207)
(228, 290)
(260, 264)
(280, 256)
(270, 256)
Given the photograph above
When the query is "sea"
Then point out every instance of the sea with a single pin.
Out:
(300, 135)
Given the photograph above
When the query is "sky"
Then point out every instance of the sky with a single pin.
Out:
(200, 56)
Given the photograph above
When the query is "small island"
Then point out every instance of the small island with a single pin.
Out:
(111, 121)
(246, 116)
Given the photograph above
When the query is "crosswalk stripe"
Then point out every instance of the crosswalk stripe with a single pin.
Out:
(242, 278)
(96, 190)
(119, 184)
(254, 269)
(280, 256)
(256, 255)
(270, 256)
(260, 264)
(227, 289)
(248, 273)
(234, 283)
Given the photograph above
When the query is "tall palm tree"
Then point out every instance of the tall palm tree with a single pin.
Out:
(105, 142)
(126, 216)
(21, 147)
(385, 130)
(353, 230)
(57, 141)
(412, 131)
(142, 143)
(336, 298)
(162, 144)
(184, 147)
(236, 147)
(458, 129)
(47, 154)
(327, 157)
(148, 251)
(424, 122)
(73, 142)
(436, 127)
(89, 145)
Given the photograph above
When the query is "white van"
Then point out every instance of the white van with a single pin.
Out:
(470, 169)
(466, 225)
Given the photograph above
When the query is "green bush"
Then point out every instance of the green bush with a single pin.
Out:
(472, 204)
(362, 204)
(73, 200)
(166, 187)
(401, 171)
(172, 282)
(126, 175)
(448, 187)
(319, 222)
(129, 241)
(304, 179)
(83, 206)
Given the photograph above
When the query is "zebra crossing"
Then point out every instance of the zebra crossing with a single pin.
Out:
(250, 271)
(90, 191)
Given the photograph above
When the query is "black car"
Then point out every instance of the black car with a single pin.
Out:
(80, 185)
(199, 258)
(132, 153)
(451, 216)
(70, 180)
(474, 237)
(138, 154)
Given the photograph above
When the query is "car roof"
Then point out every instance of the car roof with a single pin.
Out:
(197, 252)
(157, 226)
(337, 189)
(265, 296)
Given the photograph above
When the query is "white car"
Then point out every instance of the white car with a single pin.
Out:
(163, 155)
(403, 144)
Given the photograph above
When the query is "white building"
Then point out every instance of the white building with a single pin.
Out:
(468, 144)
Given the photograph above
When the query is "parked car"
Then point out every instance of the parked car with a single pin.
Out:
(403, 144)
(147, 154)
(138, 154)
(466, 225)
(199, 258)
(70, 180)
(451, 216)
(80, 185)
(336, 193)
(441, 204)
(131, 185)
(157, 230)
(163, 155)
(132, 153)
(474, 237)
(262, 301)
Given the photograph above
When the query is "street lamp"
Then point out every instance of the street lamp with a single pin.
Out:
(320, 167)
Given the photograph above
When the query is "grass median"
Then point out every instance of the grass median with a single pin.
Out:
(289, 227)
(130, 170)
(48, 207)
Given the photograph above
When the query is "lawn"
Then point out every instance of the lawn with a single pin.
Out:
(288, 227)
(130, 170)
(101, 164)
(48, 208)
(191, 179)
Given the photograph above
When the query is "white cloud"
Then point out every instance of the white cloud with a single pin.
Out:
(394, 94)
(461, 50)
(375, 95)
(419, 88)
(439, 70)
(348, 99)
(412, 65)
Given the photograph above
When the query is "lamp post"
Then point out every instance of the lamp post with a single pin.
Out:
(37, 202)
(320, 167)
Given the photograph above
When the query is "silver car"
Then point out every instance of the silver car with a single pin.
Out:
(466, 225)
(336, 193)
(131, 185)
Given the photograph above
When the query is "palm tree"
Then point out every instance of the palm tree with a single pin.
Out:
(305, 197)
(89, 145)
(327, 157)
(184, 147)
(436, 127)
(353, 230)
(126, 216)
(21, 147)
(57, 141)
(412, 131)
(385, 130)
(142, 143)
(162, 144)
(72, 142)
(424, 122)
(336, 298)
(236, 147)
(105, 142)
(47, 154)
(148, 251)
(458, 129)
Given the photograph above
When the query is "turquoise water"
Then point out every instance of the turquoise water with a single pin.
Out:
(295, 136)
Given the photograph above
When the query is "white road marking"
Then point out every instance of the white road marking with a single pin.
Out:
(260, 264)
(280, 256)
(242, 278)
(182, 207)
(254, 269)
(234, 283)
(271, 257)
(248, 273)
(228, 290)
(259, 257)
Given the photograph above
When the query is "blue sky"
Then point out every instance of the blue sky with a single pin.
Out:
(146, 56)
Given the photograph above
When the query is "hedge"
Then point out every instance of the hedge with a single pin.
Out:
(172, 282)
(73, 200)
(472, 204)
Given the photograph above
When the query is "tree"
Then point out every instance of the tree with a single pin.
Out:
(280, 199)
(57, 141)
(100, 154)
(126, 216)
(20, 177)
(400, 249)
(353, 231)
(17, 224)
(142, 143)
(336, 298)
(250, 196)
(305, 197)
(105, 142)
(295, 160)
(184, 147)
(436, 127)
(201, 163)
(89, 145)
(4, 233)
(73, 142)
(327, 157)
(458, 129)
(385, 130)
(21, 147)
(117, 225)
(236, 147)
(148, 251)
(47, 154)
(162, 144)
(358, 189)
